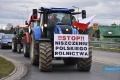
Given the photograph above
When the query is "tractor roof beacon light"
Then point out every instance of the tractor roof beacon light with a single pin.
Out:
(57, 9)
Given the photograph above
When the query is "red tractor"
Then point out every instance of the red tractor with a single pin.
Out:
(26, 40)
(19, 33)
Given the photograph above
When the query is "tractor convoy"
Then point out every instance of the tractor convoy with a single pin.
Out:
(53, 33)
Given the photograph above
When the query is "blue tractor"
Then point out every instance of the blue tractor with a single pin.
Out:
(54, 21)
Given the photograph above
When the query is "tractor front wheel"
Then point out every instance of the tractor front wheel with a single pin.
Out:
(84, 64)
(45, 56)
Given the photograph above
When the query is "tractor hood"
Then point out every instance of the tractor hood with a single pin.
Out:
(63, 29)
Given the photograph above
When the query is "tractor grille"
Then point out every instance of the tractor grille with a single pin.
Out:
(66, 29)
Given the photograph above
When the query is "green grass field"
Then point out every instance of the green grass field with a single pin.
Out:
(6, 67)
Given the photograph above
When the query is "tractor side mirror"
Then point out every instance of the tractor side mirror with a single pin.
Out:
(83, 14)
(35, 13)
(26, 23)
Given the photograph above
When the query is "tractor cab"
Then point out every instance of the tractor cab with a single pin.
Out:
(33, 21)
(50, 18)
(18, 29)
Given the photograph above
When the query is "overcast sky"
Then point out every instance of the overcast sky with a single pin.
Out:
(106, 11)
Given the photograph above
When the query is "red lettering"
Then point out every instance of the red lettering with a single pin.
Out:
(59, 37)
(78, 37)
(68, 37)
(64, 37)
(73, 38)
(83, 38)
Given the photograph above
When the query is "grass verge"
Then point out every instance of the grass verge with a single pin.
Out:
(6, 67)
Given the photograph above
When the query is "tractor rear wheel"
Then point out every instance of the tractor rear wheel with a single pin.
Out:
(34, 58)
(14, 46)
(70, 61)
(18, 48)
(26, 54)
(45, 56)
(84, 64)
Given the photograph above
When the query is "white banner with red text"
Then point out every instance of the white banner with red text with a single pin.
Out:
(71, 45)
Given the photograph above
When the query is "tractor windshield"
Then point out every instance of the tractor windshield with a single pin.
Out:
(17, 30)
(59, 19)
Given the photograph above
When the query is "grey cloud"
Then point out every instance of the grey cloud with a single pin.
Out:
(104, 9)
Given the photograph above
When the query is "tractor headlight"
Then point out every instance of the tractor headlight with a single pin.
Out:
(45, 25)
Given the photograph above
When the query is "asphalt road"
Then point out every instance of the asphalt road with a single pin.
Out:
(62, 72)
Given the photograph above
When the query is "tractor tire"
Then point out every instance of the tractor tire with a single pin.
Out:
(84, 64)
(34, 58)
(26, 54)
(45, 57)
(14, 47)
(69, 61)
(18, 48)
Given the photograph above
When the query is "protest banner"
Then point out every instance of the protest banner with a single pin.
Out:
(71, 45)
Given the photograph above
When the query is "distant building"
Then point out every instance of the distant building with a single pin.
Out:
(109, 33)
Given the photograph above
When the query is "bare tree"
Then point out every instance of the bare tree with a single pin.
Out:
(9, 26)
